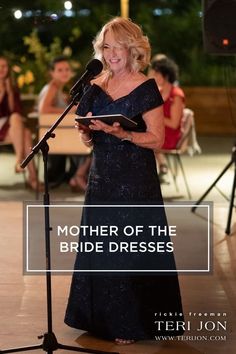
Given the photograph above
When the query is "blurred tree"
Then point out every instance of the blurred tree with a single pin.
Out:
(173, 26)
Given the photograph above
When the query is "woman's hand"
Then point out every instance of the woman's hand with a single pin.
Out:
(114, 129)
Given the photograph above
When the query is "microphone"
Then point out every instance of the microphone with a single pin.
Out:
(93, 68)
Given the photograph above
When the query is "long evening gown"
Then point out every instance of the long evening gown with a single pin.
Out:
(123, 305)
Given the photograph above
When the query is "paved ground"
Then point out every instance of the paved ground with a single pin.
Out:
(201, 171)
(22, 298)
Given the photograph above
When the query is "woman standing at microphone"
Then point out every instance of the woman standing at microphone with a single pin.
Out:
(119, 305)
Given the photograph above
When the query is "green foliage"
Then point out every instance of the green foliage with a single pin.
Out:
(174, 27)
(37, 61)
(40, 56)
(178, 33)
(39, 52)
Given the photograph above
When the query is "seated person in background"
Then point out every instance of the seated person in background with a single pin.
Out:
(52, 99)
(165, 71)
(12, 129)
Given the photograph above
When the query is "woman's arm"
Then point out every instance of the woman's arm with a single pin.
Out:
(176, 113)
(10, 94)
(47, 105)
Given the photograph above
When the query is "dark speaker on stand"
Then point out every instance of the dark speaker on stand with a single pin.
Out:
(219, 26)
(219, 37)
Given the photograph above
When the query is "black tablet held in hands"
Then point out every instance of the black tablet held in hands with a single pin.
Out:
(108, 119)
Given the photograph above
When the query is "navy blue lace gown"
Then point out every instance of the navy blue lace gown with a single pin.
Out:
(123, 305)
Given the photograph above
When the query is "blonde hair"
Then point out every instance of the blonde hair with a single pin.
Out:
(129, 35)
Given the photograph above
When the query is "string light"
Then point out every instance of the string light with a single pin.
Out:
(17, 14)
(68, 5)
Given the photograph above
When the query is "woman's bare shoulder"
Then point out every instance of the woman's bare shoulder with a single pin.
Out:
(136, 80)
(99, 80)
(52, 86)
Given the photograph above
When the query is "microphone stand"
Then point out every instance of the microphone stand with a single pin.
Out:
(50, 343)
